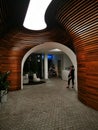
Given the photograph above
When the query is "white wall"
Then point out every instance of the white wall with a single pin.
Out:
(66, 62)
(65, 65)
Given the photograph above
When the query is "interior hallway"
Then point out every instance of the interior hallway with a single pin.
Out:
(48, 106)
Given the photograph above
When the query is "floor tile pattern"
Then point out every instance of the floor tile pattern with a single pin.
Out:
(47, 106)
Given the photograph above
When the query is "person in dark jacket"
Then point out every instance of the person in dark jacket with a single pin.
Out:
(71, 76)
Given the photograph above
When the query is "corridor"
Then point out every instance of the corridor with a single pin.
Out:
(47, 106)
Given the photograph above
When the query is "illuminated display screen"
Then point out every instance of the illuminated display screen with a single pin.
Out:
(50, 56)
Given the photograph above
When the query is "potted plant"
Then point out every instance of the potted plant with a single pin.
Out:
(4, 85)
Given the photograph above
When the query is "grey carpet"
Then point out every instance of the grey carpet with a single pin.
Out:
(48, 106)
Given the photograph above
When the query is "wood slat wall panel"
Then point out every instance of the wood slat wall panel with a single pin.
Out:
(80, 18)
(16, 43)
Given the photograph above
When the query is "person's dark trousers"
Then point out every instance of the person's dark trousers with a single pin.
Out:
(73, 81)
(70, 80)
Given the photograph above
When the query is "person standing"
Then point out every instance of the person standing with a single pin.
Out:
(71, 76)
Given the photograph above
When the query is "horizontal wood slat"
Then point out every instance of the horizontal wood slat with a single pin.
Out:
(16, 43)
(80, 18)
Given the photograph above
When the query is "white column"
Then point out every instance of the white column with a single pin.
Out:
(45, 66)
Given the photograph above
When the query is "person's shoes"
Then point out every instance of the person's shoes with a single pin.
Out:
(67, 86)
(72, 86)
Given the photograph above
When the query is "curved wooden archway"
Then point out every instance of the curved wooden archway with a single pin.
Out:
(79, 18)
(47, 46)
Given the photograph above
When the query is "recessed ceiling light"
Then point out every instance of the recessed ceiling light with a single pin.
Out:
(55, 50)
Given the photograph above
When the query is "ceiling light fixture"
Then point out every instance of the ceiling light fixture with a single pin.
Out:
(34, 19)
(55, 50)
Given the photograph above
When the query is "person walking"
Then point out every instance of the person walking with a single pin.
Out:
(71, 76)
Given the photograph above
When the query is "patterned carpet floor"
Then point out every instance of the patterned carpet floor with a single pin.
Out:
(48, 106)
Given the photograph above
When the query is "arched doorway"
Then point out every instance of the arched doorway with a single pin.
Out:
(47, 46)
